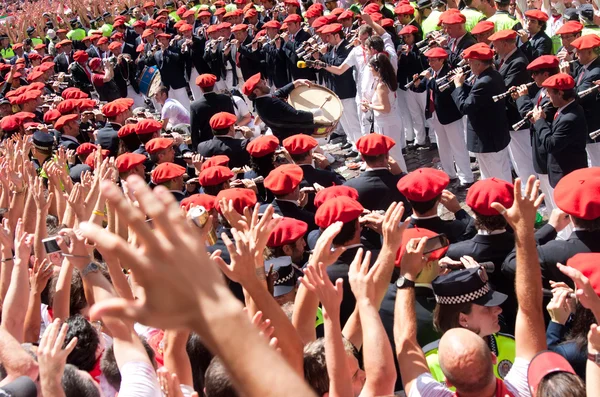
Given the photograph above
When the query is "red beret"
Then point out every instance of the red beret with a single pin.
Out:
(487, 191)
(241, 198)
(149, 4)
(211, 29)
(578, 193)
(423, 184)
(85, 149)
(482, 27)
(417, 232)
(294, 18)
(537, 14)
(479, 51)
(102, 40)
(90, 161)
(65, 42)
(287, 231)
(371, 8)
(215, 175)
(272, 25)
(51, 115)
(81, 56)
(453, 18)
(332, 192)
(251, 13)
(506, 34)
(163, 11)
(181, 10)
(206, 80)
(292, 2)
(36, 74)
(220, 11)
(219, 159)
(145, 33)
(436, 52)
(165, 172)
(127, 129)
(118, 36)
(224, 25)
(139, 24)
(263, 145)
(587, 264)
(284, 179)
(204, 13)
(157, 144)
(24, 116)
(203, 200)
(114, 45)
(346, 15)
(559, 81)
(140, 48)
(10, 123)
(147, 126)
(34, 55)
(179, 23)
(189, 13)
(374, 144)
(319, 22)
(401, 9)
(127, 161)
(114, 108)
(239, 27)
(229, 15)
(67, 106)
(333, 28)
(570, 28)
(299, 143)
(586, 42)
(340, 209)
(222, 120)
(85, 103)
(408, 29)
(163, 36)
(60, 123)
(331, 18)
(544, 62)
(251, 84)
(74, 94)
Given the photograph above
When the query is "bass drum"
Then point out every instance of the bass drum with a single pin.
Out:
(316, 96)
(149, 81)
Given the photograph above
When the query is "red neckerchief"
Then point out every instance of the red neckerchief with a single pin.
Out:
(96, 371)
(501, 390)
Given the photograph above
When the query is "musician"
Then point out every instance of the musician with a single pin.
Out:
(293, 39)
(192, 50)
(445, 118)
(63, 60)
(172, 68)
(487, 123)
(218, 58)
(247, 57)
(564, 139)
(80, 72)
(587, 53)
(406, 16)
(277, 114)
(276, 64)
(103, 79)
(534, 42)
(460, 39)
(346, 18)
(568, 32)
(512, 65)
(482, 31)
(224, 142)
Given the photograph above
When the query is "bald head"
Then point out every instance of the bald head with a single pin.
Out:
(466, 362)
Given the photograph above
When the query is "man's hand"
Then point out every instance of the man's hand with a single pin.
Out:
(523, 35)
(522, 90)
(51, 356)
(241, 269)
(538, 113)
(316, 280)
(361, 278)
(23, 244)
(413, 259)
(450, 201)
(559, 219)
(324, 251)
(321, 160)
(72, 244)
(583, 289)
(594, 339)
(558, 308)
(40, 274)
(459, 79)
(524, 209)
(393, 228)
(302, 82)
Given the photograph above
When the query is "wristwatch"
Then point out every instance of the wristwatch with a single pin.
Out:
(594, 357)
(92, 267)
(403, 283)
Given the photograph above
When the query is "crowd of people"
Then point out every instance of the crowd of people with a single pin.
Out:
(172, 226)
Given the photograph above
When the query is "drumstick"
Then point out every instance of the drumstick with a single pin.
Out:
(327, 99)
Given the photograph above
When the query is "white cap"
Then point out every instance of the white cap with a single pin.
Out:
(51, 33)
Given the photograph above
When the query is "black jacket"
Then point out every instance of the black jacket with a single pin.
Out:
(455, 54)
(233, 148)
(249, 61)
(343, 85)
(202, 110)
(514, 72)
(409, 64)
(125, 73)
(564, 141)
(443, 104)
(275, 65)
(291, 210)
(487, 123)
(108, 139)
(172, 68)
(538, 45)
(194, 57)
(80, 78)
(584, 79)
(460, 229)
(62, 63)
(289, 49)
(377, 190)
(324, 178)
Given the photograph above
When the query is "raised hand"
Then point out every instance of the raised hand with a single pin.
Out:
(51, 356)
(39, 195)
(413, 259)
(23, 244)
(40, 275)
(393, 227)
(6, 235)
(583, 289)
(523, 211)
(558, 308)
(324, 251)
(361, 278)
(241, 269)
(316, 280)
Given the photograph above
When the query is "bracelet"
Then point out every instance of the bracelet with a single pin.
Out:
(99, 213)
(7, 259)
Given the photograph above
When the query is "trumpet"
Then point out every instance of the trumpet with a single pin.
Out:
(595, 134)
(498, 97)
(447, 85)
(587, 92)
(517, 126)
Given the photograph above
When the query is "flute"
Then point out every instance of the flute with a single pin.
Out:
(498, 97)
(518, 125)
(595, 134)
(451, 73)
(587, 92)
(447, 85)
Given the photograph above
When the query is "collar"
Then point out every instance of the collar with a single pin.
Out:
(288, 201)
(264, 96)
(510, 54)
(560, 109)
(492, 233)
(375, 168)
(70, 138)
(424, 217)
(353, 246)
(424, 285)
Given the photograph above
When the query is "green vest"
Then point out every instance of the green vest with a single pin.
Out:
(7, 52)
(77, 34)
(503, 21)
(431, 22)
(502, 345)
(131, 22)
(106, 30)
(473, 17)
(556, 43)
(36, 41)
(590, 29)
(174, 16)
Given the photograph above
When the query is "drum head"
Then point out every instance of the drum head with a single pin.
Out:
(154, 85)
(306, 98)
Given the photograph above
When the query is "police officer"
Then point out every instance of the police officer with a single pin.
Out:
(472, 14)
(502, 19)
(42, 150)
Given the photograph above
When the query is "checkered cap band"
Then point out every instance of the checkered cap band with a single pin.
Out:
(470, 297)
(284, 279)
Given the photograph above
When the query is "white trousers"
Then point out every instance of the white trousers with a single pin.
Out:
(409, 133)
(593, 152)
(520, 152)
(393, 131)
(416, 107)
(551, 205)
(349, 120)
(181, 95)
(495, 165)
(365, 122)
(452, 149)
(138, 99)
(196, 91)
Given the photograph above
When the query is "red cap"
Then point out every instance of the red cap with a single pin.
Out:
(74, 93)
(81, 56)
(145, 33)
(90, 161)
(206, 80)
(239, 27)
(272, 25)
(299, 143)
(374, 144)
(211, 29)
(118, 24)
(181, 10)
(241, 198)
(35, 74)
(346, 15)
(165, 172)
(127, 161)
(319, 22)
(506, 34)
(293, 18)
(10, 123)
(332, 192)
(251, 84)
(487, 191)
(139, 24)
(215, 175)
(149, 4)
(408, 29)
(453, 18)
(372, 8)
(157, 144)
(333, 28)
(543, 364)
(559, 81)
(263, 145)
(103, 40)
(139, 48)
(578, 193)
(337, 11)
(418, 232)
(483, 27)
(340, 209)
(402, 9)
(251, 13)
(163, 36)
(224, 25)
(85, 103)
(67, 106)
(65, 42)
(219, 159)
(126, 130)
(222, 120)
(114, 45)
(436, 52)
(287, 231)
(423, 184)
(479, 51)
(60, 123)
(39, 46)
(204, 200)
(586, 42)
(85, 149)
(94, 63)
(229, 15)
(220, 11)
(570, 28)
(162, 11)
(587, 264)
(544, 62)
(292, 2)
(114, 108)
(51, 115)
(147, 126)
(284, 179)
(537, 14)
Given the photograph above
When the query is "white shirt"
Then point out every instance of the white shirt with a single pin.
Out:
(138, 379)
(175, 112)
(560, 109)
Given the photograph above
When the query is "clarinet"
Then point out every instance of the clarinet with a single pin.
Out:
(587, 92)
(447, 85)
(498, 97)
(517, 126)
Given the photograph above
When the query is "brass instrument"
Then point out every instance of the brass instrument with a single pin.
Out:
(517, 126)
(429, 43)
(306, 43)
(414, 80)
(498, 97)
(460, 68)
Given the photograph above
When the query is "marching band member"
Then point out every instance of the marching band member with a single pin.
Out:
(293, 39)
(454, 25)
(482, 31)
(172, 69)
(568, 33)
(192, 48)
(533, 41)
(276, 64)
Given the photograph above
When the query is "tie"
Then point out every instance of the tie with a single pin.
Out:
(431, 101)
(581, 76)
(556, 115)
(501, 63)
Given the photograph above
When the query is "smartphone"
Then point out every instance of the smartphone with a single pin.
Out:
(435, 243)
(50, 245)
